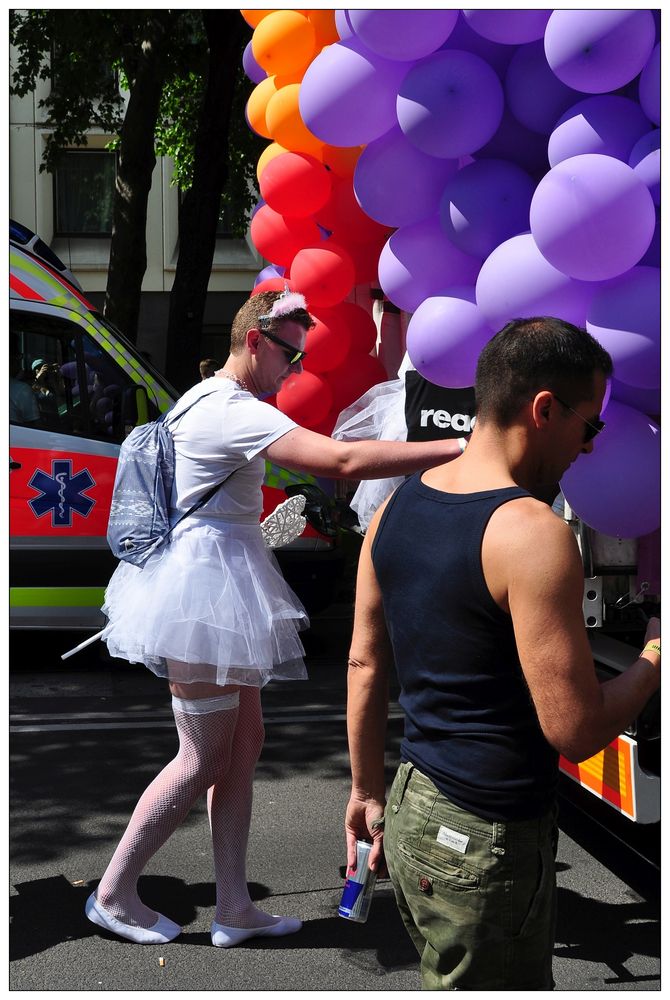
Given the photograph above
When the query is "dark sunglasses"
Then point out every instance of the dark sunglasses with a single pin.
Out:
(592, 427)
(293, 355)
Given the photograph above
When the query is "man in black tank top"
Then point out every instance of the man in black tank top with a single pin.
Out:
(473, 587)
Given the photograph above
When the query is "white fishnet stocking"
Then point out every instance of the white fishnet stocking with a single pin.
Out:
(203, 760)
(229, 803)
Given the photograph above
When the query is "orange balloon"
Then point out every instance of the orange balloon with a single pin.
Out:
(324, 27)
(286, 125)
(269, 153)
(254, 17)
(284, 42)
(341, 160)
(257, 106)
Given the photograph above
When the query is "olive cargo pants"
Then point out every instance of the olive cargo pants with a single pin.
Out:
(478, 897)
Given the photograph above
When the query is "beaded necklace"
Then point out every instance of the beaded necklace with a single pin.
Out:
(234, 378)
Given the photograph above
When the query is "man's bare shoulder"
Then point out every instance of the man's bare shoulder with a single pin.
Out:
(526, 522)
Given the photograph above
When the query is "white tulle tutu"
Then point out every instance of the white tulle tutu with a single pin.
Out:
(214, 603)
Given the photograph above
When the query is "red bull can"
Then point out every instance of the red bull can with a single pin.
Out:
(357, 893)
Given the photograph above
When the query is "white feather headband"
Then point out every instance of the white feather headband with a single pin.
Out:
(287, 303)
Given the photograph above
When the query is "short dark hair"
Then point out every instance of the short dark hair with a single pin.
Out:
(247, 318)
(529, 355)
(208, 366)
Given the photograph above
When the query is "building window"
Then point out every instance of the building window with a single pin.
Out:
(84, 192)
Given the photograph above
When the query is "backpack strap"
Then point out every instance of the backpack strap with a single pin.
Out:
(210, 492)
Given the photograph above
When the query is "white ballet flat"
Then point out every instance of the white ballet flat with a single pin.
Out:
(163, 930)
(228, 937)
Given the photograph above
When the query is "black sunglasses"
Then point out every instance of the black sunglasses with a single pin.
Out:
(293, 355)
(592, 427)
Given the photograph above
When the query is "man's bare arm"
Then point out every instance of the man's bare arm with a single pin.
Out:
(544, 577)
(370, 659)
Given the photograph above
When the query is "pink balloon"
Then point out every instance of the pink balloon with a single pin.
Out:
(592, 217)
(516, 281)
(625, 317)
(596, 51)
(444, 339)
(419, 261)
(606, 124)
(512, 27)
(616, 488)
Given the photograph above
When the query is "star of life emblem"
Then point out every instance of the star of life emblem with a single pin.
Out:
(61, 493)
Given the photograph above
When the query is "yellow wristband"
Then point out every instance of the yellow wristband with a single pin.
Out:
(654, 647)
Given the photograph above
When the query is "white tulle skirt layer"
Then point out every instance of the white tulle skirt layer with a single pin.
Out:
(214, 603)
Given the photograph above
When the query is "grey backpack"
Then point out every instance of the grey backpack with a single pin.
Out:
(139, 519)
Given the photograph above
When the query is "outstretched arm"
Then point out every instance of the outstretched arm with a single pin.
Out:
(370, 659)
(323, 456)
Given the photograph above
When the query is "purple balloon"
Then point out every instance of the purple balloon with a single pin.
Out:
(598, 50)
(271, 271)
(648, 143)
(450, 103)
(617, 488)
(348, 94)
(396, 184)
(444, 339)
(604, 124)
(648, 168)
(404, 35)
(592, 217)
(516, 281)
(650, 87)
(485, 204)
(419, 261)
(652, 258)
(512, 27)
(343, 24)
(625, 317)
(513, 141)
(255, 72)
(463, 37)
(645, 400)
(535, 95)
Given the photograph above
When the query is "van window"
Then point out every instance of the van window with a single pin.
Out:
(76, 387)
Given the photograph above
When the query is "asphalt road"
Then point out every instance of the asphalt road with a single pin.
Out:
(88, 736)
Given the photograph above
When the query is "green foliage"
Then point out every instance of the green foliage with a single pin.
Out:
(94, 57)
(175, 137)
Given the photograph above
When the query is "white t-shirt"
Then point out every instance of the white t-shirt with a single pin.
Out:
(223, 432)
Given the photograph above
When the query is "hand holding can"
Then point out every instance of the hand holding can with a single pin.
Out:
(357, 893)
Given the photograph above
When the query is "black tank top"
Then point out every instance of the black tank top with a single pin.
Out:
(470, 724)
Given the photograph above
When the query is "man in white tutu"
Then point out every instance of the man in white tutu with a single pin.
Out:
(211, 612)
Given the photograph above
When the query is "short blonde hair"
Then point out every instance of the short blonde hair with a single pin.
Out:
(247, 318)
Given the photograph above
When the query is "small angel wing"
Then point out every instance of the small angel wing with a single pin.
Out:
(285, 523)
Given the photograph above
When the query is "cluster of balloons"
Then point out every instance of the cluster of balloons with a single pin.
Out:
(510, 160)
(308, 222)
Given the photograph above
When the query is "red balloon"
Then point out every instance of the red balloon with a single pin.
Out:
(361, 327)
(343, 215)
(295, 184)
(323, 273)
(326, 425)
(305, 398)
(348, 382)
(271, 285)
(328, 343)
(366, 260)
(278, 238)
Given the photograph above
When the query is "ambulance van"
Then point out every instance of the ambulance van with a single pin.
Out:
(76, 388)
